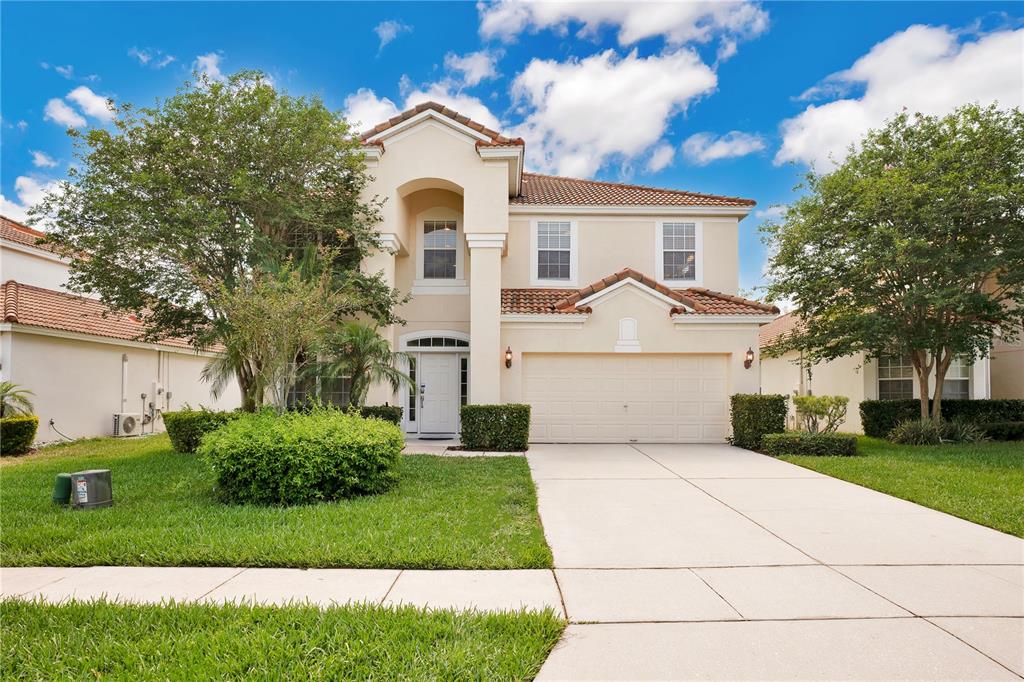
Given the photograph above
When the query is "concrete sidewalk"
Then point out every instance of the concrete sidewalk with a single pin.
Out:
(711, 562)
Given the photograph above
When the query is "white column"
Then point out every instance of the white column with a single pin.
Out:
(485, 353)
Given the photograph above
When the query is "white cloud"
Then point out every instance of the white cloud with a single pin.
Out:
(582, 112)
(772, 212)
(678, 22)
(22, 125)
(923, 68)
(661, 157)
(68, 71)
(388, 30)
(59, 112)
(703, 148)
(42, 159)
(364, 109)
(30, 191)
(209, 64)
(91, 104)
(474, 67)
(151, 57)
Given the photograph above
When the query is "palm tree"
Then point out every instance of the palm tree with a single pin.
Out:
(365, 358)
(14, 399)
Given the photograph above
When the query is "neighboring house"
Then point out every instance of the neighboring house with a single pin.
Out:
(611, 309)
(859, 377)
(83, 362)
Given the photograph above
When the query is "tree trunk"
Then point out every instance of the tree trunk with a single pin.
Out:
(923, 368)
(944, 359)
(245, 387)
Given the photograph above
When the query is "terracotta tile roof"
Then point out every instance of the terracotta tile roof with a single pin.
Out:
(564, 301)
(38, 307)
(496, 138)
(551, 190)
(13, 231)
(777, 329)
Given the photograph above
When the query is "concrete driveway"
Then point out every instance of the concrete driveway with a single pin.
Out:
(711, 562)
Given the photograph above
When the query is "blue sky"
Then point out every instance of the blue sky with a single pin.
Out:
(728, 98)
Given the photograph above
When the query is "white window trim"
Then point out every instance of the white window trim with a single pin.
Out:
(421, 285)
(698, 261)
(574, 254)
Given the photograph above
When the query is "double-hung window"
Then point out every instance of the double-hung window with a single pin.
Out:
(679, 251)
(554, 259)
(439, 249)
(957, 382)
(895, 377)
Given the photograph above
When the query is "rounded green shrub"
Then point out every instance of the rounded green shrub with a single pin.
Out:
(187, 427)
(302, 458)
(17, 433)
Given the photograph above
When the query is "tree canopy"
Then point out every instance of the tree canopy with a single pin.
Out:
(913, 246)
(184, 202)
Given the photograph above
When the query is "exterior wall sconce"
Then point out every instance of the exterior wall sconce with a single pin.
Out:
(508, 356)
(748, 360)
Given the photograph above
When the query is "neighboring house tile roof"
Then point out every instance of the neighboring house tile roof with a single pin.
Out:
(550, 190)
(564, 301)
(496, 138)
(24, 235)
(38, 307)
(777, 329)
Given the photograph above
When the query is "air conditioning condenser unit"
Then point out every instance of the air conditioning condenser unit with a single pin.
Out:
(127, 423)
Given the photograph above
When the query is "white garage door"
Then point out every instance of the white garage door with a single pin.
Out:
(626, 398)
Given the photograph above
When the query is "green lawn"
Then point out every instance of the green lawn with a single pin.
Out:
(983, 483)
(192, 642)
(447, 512)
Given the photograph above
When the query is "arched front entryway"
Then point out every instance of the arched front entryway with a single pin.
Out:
(438, 364)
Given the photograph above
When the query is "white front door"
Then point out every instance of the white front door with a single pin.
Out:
(438, 377)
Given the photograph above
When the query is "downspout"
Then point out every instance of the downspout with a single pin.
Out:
(124, 382)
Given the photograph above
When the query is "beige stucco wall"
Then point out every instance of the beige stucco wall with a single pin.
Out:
(656, 331)
(37, 268)
(1007, 368)
(849, 377)
(78, 383)
(610, 243)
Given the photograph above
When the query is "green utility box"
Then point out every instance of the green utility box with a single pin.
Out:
(62, 489)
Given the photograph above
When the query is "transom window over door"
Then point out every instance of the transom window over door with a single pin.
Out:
(895, 377)
(439, 249)
(679, 251)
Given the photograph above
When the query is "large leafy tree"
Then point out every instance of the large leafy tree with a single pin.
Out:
(913, 246)
(193, 197)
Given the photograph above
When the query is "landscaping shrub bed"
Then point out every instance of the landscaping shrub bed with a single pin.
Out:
(1004, 430)
(389, 413)
(187, 427)
(754, 415)
(917, 432)
(497, 428)
(879, 417)
(301, 458)
(802, 443)
(17, 433)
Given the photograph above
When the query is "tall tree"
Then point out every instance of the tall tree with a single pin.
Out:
(192, 197)
(362, 355)
(913, 246)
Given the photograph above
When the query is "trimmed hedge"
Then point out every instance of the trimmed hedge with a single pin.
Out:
(495, 428)
(1004, 430)
(879, 417)
(187, 427)
(389, 413)
(302, 458)
(754, 415)
(803, 443)
(17, 433)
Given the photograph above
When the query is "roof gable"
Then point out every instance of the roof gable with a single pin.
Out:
(483, 136)
(23, 235)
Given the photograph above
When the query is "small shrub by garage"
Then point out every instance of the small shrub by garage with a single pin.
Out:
(187, 427)
(754, 415)
(389, 413)
(17, 433)
(496, 428)
(302, 458)
(803, 443)
(879, 417)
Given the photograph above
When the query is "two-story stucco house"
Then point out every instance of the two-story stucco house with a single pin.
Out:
(611, 309)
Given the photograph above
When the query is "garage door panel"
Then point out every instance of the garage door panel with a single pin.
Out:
(627, 397)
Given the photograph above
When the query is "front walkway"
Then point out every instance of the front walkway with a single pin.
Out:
(711, 562)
